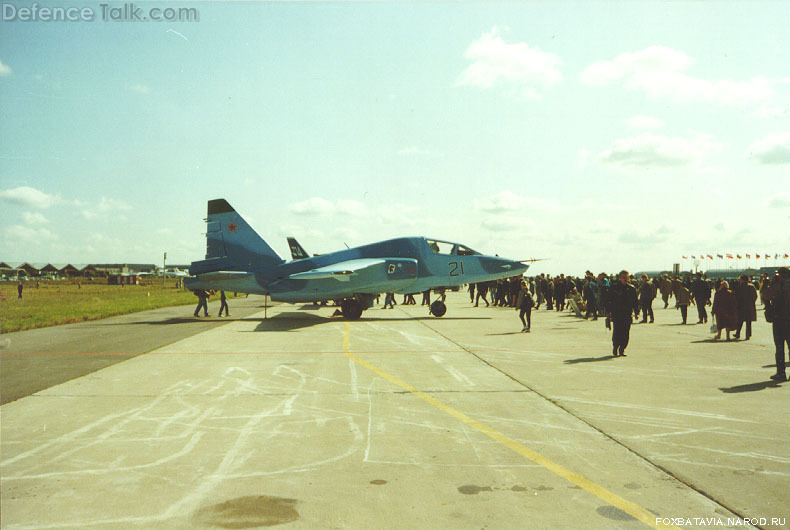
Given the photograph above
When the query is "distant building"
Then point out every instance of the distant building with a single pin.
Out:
(123, 279)
(715, 274)
(71, 270)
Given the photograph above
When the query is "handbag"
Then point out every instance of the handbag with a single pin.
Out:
(713, 328)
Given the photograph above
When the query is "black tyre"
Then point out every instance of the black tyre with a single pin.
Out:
(438, 308)
(352, 309)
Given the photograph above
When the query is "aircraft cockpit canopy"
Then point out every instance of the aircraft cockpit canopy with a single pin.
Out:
(448, 248)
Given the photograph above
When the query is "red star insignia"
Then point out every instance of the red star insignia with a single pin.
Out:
(232, 227)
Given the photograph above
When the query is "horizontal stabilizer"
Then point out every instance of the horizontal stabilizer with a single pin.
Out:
(340, 271)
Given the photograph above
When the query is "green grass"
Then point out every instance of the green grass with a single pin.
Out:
(63, 302)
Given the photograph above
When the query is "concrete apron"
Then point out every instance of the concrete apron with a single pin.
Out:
(401, 420)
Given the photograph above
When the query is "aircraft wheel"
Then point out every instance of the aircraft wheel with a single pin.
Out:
(352, 309)
(438, 308)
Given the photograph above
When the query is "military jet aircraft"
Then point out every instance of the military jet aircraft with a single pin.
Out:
(239, 260)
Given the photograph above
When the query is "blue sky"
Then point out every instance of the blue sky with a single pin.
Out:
(601, 135)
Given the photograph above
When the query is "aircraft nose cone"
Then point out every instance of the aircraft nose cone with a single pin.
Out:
(515, 266)
(495, 265)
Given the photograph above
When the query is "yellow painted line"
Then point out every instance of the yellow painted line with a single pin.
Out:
(599, 491)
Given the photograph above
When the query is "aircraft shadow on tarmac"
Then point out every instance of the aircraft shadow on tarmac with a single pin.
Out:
(751, 387)
(174, 320)
(291, 321)
(589, 359)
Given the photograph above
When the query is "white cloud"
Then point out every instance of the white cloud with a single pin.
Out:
(780, 200)
(507, 223)
(27, 196)
(413, 150)
(648, 150)
(351, 207)
(518, 65)
(34, 218)
(643, 123)
(507, 201)
(659, 71)
(634, 65)
(4, 69)
(319, 206)
(644, 238)
(312, 206)
(401, 216)
(584, 158)
(140, 89)
(105, 206)
(30, 236)
(773, 149)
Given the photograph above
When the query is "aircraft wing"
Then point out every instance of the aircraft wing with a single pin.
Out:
(339, 271)
(223, 275)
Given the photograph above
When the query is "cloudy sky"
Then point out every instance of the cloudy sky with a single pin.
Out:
(600, 135)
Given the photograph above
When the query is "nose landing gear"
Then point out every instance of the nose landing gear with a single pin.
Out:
(438, 308)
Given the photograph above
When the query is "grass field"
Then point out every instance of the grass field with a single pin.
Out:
(62, 302)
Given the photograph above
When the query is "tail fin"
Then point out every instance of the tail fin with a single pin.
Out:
(297, 252)
(229, 236)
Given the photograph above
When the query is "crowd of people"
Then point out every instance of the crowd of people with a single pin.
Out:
(623, 298)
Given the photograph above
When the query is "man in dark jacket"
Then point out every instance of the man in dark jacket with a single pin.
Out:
(700, 290)
(202, 302)
(621, 305)
(646, 294)
(778, 296)
(590, 290)
(746, 294)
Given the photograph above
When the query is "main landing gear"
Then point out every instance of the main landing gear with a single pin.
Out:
(352, 309)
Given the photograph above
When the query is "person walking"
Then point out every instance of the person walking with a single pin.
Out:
(777, 309)
(426, 297)
(202, 302)
(682, 298)
(725, 308)
(621, 305)
(223, 304)
(482, 289)
(700, 289)
(746, 294)
(389, 300)
(19, 288)
(539, 290)
(665, 286)
(524, 303)
(646, 295)
(590, 291)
